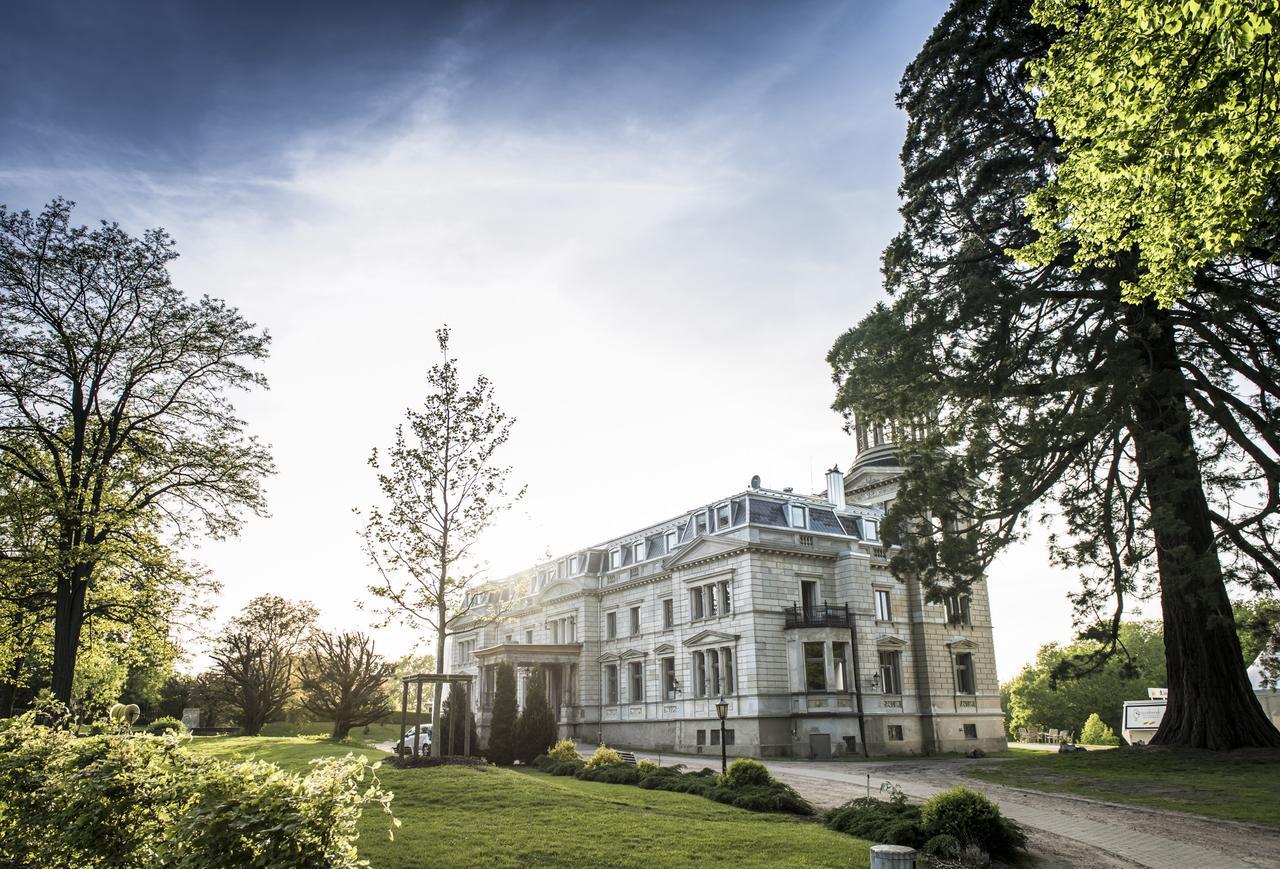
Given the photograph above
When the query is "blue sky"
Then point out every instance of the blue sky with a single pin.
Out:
(646, 222)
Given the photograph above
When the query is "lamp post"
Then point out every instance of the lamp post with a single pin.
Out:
(722, 710)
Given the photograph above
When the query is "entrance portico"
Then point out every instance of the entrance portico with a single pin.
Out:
(559, 663)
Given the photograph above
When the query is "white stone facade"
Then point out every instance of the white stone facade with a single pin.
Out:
(778, 603)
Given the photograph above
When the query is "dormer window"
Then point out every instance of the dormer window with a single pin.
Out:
(615, 559)
(795, 516)
(871, 528)
(672, 539)
(723, 517)
(700, 523)
(639, 550)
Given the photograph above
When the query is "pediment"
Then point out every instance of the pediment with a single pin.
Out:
(606, 658)
(710, 638)
(558, 588)
(699, 548)
(964, 644)
(890, 641)
(664, 649)
(631, 654)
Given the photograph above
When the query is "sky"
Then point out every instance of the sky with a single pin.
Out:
(645, 222)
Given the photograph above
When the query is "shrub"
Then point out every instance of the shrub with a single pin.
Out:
(614, 774)
(884, 823)
(773, 797)
(563, 750)
(535, 730)
(974, 821)
(117, 800)
(942, 845)
(604, 756)
(502, 747)
(646, 767)
(563, 767)
(165, 725)
(745, 772)
(1095, 732)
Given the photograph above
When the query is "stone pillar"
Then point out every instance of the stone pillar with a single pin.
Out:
(892, 857)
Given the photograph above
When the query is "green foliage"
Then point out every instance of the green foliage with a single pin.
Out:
(745, 772)
(563, 767)
(646, 767)
(145, 801)
(604, 756)
(614, 774)
(1095, 732)
(973, 820)
(1169, 113)
(536, 727)
(1258, 623)
(564, 750)
(502, 725)
(1041, 697)
(342, 678)
(942, 845)
(456, 716)
(164, 725)
(880, 822)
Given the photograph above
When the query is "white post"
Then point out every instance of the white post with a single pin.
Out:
(892, 857)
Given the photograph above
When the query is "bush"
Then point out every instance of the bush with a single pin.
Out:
(604, 756)
(535, 730)
(564, 750)
(773, 797)
(942, 845)
(614, 774)
(117, 800)
(502, 729)
(165, 725)
(563, 767)
(745, 772)
(974, 821)
(646, 767)
(1095, 732)
(891, 823)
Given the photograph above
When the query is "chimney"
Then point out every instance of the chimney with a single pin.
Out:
(835, 486)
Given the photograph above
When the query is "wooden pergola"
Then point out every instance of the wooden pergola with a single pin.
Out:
(432, 679)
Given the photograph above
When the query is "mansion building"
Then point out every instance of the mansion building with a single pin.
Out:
(782, 604)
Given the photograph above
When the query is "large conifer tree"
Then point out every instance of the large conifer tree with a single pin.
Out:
(536, 730)
(1149, 434)
(502, 723)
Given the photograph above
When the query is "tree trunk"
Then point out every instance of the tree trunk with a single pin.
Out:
(341, 729)
(1211, 703)
(68, 618)
(438, 689)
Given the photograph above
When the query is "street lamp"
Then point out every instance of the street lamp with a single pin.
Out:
(722, 710)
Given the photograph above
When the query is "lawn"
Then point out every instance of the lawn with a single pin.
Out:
(497, 817)
(1241, 785)
(377, 732)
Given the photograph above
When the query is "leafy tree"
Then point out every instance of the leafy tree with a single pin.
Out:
(1049, 694)
(255, 658)
(536, 728)
(457, 716)
(441, 488)
(1144, 434)
(408, 665)
(502, 721)
(342, 679)
(114, 402)
(1168, 113)
(1258, 623)
(1095, 732)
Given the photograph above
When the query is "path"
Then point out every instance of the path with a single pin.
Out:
(1137, 837)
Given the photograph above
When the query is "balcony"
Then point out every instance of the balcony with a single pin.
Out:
(815, 616)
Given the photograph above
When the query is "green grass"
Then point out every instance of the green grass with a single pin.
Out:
(1241, 786)
(377, 732)
(496, 817)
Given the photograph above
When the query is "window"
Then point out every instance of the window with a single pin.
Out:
(723, 517)
(726, 598)
(870, 528)
(635, 620)
(669, 679)
(528, 636)
(673, 540)
(884, 613)
(611, 684)
(668, 613)
(728, 737)
(571, 631)
(808, 595)
(958, 609)
(795, 516)
(615, 559)
(891, 672)
(712, 606)
(555, 632)
(700, 523)
(639, 551)
(715, 737)
(840, 661)
(695, 603)
(699, 675)
(713, 667)
(964, 674)
(726, 661)
(508, 638)
(895, 732)
(610, 626)
(815, 667)
(702, 737)
(971, 731)
(637, 682)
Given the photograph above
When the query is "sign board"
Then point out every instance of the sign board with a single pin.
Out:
(191, 718)
(1143, 716)
(1158, 693)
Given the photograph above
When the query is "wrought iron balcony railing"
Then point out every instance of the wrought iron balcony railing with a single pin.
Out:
(817, 616)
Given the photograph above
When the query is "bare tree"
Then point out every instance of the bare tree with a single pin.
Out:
(342, 678)
(255, 658)
(114, 400)
(440, 490)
